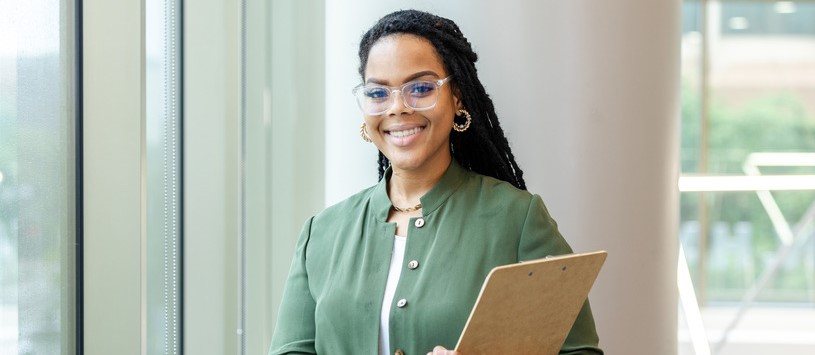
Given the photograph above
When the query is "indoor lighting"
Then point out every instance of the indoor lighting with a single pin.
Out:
(738, 23)
(784, 7)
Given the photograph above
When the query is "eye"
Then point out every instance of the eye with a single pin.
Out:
(421, 88)
(376, 93)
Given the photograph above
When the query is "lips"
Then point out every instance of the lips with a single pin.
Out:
(404, 136)
(405, 132)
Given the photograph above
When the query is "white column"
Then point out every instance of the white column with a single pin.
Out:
(114, 153)
(588, 94)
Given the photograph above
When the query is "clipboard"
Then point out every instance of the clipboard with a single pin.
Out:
(530, 307)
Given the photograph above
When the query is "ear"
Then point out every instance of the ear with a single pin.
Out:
(457, 99)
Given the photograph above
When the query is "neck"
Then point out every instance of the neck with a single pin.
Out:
(405, 186)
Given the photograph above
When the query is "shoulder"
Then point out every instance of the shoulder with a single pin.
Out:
(504, 199)
(331, 225)
(342, 209)
(482, 199)
(495, 190)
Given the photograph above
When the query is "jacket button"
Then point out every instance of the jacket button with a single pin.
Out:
(419, 223)
(402, 303)
(413, 264)
(399, 352)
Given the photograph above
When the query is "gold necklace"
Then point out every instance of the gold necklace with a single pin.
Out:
(409, 209)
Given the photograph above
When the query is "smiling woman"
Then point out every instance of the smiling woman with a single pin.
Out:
(396, 268)
(415, 139)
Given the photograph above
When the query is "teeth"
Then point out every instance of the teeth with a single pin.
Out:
(406, 133)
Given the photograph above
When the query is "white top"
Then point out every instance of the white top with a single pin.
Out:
(395, 271)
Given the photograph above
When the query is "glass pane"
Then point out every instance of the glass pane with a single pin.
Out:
(749, 111)
(37, 182)
(762, 100)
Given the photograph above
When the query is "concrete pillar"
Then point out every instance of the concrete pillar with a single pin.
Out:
(588, 93)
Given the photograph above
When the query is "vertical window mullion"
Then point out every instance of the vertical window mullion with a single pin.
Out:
(163, 183)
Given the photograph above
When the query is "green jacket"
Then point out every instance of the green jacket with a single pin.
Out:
(471, 223)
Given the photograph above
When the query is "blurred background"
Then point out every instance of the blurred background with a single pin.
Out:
(158, 157)
(748, 109)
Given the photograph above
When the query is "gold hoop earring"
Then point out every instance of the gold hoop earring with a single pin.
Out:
(463, 127)
(364, 133)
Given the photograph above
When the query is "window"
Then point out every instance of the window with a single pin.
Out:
(38, 127)
(748, 165)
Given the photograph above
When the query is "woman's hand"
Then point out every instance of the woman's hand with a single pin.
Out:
(440, 350)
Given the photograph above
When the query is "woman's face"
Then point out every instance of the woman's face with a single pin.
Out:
(412, 140)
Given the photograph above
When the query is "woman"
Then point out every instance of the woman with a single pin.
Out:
(396, 268)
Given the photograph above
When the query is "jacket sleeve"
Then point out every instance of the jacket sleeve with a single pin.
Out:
(294, 332)
(541, 238)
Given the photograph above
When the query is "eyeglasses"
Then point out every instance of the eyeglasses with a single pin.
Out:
(420, 95)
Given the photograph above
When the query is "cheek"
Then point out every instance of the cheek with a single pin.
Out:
(449, 114)
(371, 122)
(452, 107)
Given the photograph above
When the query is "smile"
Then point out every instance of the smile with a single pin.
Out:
(405, 133)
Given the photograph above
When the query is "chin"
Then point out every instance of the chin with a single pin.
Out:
(404, 163)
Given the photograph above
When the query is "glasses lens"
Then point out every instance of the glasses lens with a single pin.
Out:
(376, 99)
(420, 94)
(373, 99)
(375, 94)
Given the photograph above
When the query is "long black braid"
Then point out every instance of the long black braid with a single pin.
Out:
(483, 148)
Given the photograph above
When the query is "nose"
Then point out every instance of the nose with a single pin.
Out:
(398, 105)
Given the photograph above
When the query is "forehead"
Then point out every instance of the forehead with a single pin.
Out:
(394, 58)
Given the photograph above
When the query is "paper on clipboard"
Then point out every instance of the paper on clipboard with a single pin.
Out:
(530, 307)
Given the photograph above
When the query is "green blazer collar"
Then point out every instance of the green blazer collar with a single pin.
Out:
(431, 201)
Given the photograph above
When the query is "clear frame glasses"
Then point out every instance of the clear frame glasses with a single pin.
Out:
(420, 95)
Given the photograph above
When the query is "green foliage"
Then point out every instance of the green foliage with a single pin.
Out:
(775, 122)
(691, 126)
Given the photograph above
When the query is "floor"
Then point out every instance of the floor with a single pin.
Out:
(762, 330)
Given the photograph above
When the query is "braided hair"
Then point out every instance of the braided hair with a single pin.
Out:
(482, 148)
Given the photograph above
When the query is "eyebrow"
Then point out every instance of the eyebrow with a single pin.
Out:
(410, 78)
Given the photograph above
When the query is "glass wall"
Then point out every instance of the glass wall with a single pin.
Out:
(748, 165)
(38, 125)
(163, 181)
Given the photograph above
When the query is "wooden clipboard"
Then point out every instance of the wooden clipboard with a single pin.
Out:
(530, 307)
